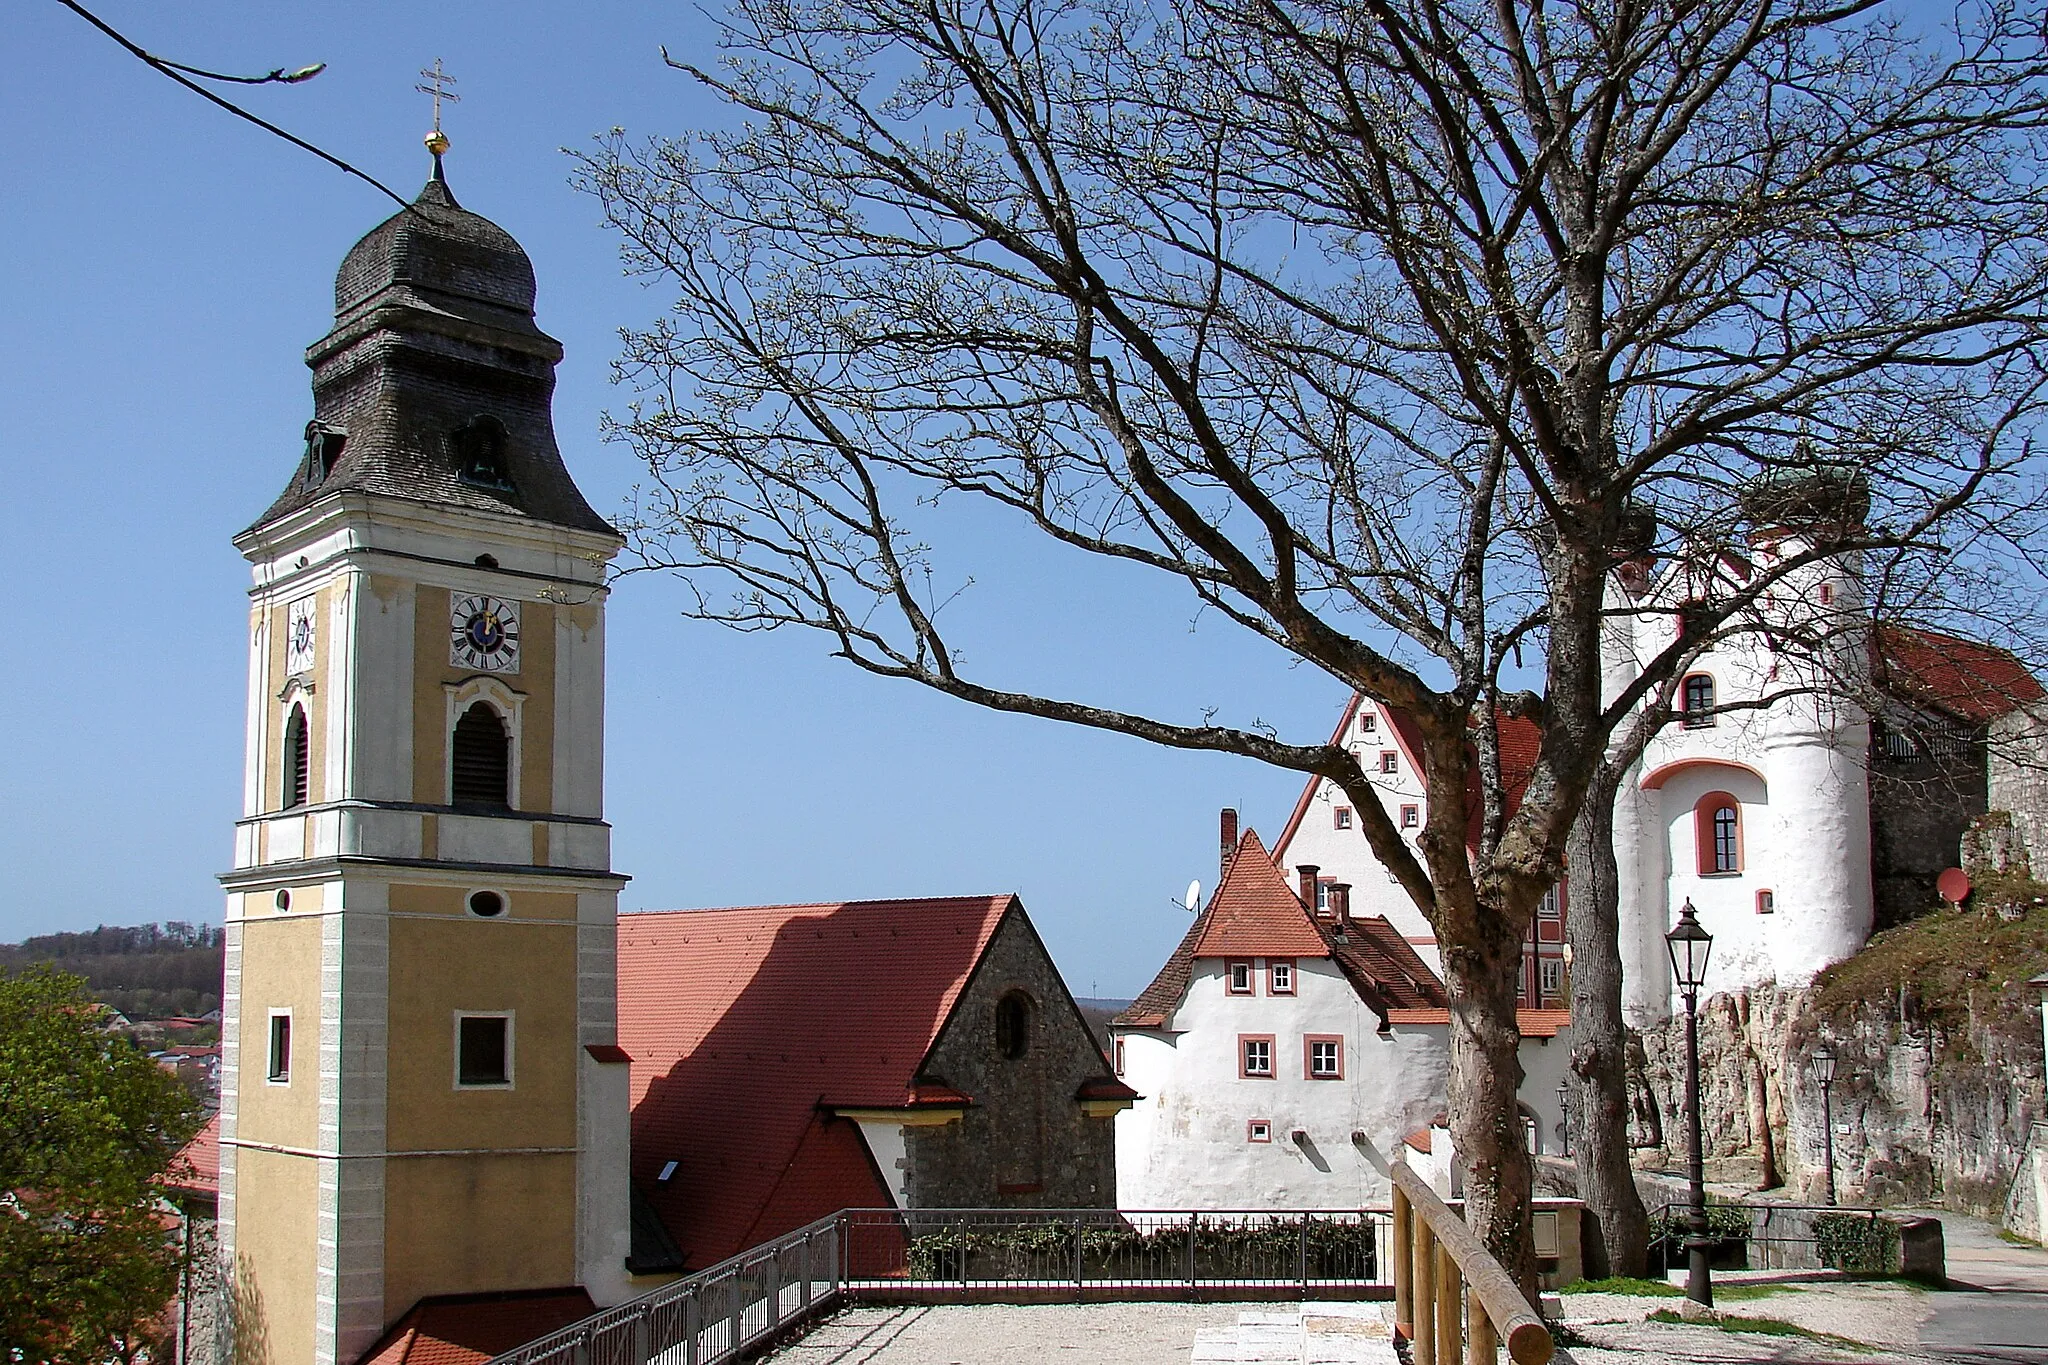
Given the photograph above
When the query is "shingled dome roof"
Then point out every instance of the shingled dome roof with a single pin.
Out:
(435, 384)
(444, 255)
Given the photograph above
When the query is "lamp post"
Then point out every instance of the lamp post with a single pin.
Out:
(1689, 944)
(1824, 1072)
(1564, 1110)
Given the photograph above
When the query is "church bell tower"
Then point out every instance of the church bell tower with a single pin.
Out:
(422, 1092)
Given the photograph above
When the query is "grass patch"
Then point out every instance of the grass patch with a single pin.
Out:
(1765, 1327)
(1622, 1284)
(1743, 1293)
(1952, 963)
(2012, 1238)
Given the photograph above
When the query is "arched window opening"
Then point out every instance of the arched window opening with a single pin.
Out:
(1698, 701)
(296, 758)
(480, 453)
(1013, 1026)
(482, 759)
(1717, 826)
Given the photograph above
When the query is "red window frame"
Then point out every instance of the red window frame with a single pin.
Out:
(1390, 761)
(1274, 966)
(1717, 850)
(1411, 817)
(1368, 721)
(1258, 1130)
(1116, 1052)
(1244, 1071)
(1230, 976)
(1308, 1056)
(1340, 817)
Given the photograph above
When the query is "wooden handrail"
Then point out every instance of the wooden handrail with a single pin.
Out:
(1441, 1252)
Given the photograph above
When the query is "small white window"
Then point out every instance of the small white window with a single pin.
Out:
(1553, 976)
(1411, 816)
(280, 1072)
(1390, 761)
(1258, 1130)
(1368, 721)
(1240, 978)
(1343, 817)
(1282, 978)
(1325, 1059)
(1117, 1051)
(1258, 1056)
(1552, 904)
(483, 1051)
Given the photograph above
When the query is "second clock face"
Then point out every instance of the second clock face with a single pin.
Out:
(483, 633)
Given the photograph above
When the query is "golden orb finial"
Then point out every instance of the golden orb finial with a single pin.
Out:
(437, 142)
(436, 84)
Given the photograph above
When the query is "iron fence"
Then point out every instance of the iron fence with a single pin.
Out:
(1776, 1237)
(739, 1306)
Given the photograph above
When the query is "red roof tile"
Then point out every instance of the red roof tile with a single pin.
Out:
(747, 1025)
(468, 1329)
(196, 1167)
(1254, 913)
(1972, 681)
(1531, 1023)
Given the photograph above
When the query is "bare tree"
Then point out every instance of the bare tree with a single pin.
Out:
(1387, 328)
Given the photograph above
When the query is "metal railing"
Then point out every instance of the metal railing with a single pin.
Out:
(1451, 1298)
(962, 1255)
(1768, 1236)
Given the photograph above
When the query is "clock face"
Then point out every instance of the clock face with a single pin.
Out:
(483, 633)
(298, 637)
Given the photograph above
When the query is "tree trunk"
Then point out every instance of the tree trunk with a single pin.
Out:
(1618, 1240)
(1486, 1074)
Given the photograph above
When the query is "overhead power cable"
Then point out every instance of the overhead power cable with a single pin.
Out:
(177, 72)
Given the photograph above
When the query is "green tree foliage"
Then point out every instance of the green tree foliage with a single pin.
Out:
(89, 1255)
(146, 971)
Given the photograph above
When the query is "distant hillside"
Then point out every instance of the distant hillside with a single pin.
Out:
(1098, 1013)
(148, 971)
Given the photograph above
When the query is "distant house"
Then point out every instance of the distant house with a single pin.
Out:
(1282, 1048)
(790, 1061)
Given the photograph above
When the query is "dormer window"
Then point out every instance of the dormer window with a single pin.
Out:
(480, 454)
(323, 451)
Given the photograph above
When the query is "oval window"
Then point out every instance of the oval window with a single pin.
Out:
(486, 904)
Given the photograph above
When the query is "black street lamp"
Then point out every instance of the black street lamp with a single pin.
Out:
(1564, 1110)
(1824, 1072)
(1689, 944)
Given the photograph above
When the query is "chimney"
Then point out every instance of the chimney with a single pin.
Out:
(1307, 873)
(1228, 838)
(1340, 903)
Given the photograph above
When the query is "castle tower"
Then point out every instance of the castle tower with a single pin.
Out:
(421, 1088)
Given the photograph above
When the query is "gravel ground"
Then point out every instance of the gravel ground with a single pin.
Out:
(1002, 1334)
(1883, 1318)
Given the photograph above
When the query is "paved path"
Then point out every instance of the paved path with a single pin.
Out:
(1995, 1311)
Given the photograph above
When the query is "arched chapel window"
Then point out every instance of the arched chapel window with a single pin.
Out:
(482, 759)
(1699, 701)
(1013, 1026)
(296, 759)
(1717, 828)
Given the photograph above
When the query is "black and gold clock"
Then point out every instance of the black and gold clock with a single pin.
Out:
(483, 634)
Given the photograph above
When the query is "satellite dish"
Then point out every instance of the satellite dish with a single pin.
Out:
(1193, 898)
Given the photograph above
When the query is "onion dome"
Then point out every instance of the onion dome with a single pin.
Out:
(436, 384)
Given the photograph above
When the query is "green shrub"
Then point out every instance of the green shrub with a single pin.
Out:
(1857, 1243)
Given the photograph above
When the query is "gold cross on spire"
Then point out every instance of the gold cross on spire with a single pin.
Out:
(436, 84)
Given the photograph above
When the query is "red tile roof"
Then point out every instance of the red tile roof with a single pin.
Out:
(1971, 681)
(196, 1167)
(468, 1329)
(1531, 1023)
(1254, 912)
(747, 1026)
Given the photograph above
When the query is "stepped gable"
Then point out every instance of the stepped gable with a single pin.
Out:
(1970, 680)
(435, 384)
(748, 1026)
(469, 1329)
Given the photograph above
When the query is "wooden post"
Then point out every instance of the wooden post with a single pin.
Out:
(1481, 1340)
(1423, 1260)
(1404, 1314)
(1450, 1301)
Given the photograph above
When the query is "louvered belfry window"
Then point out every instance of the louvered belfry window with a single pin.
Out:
(482, 759)
(296, 758)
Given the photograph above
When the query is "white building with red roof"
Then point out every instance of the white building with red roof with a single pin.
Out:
(1288, 1040)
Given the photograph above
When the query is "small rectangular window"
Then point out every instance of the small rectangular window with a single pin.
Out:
(1827, 594)
(1552, 969)
(1255, 1055)
(483, 1050)
(1324, 1057)
(1342, 816)
(280, 1047)
(1240, 978)
(1117, 1051)
(1766, 903)
(1258, 1130)
(1552, 904)
(1280, 978)
(1411, 817)
(1390, 761)
(1368, 721)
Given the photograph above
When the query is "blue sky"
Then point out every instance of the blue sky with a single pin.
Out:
(164, 267)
